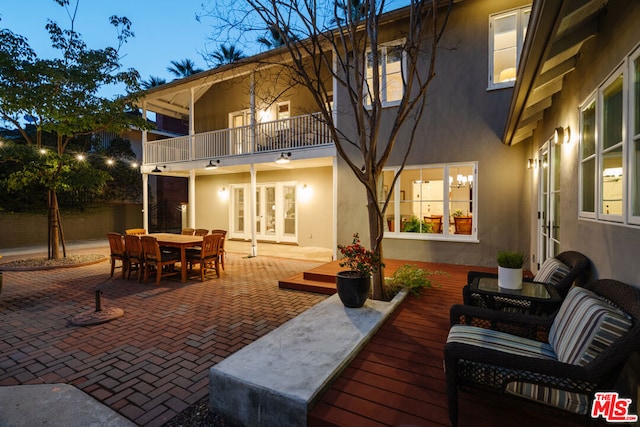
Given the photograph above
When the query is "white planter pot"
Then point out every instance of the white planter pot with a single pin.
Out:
(510, 278)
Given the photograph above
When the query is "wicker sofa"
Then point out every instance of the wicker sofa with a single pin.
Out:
(589, 340)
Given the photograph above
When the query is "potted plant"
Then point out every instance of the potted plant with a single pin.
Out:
(510, 269)
(353, 284)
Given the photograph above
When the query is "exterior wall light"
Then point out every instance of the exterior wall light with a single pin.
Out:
(223, 193)
(561, 135)
(212, 165)
(157, 169)
(283, 159)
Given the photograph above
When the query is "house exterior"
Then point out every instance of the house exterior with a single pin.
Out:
(467, 190)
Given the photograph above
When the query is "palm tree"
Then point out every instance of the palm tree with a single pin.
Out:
(227, 55)
(183, 68)
(272, 40)
(153, 81)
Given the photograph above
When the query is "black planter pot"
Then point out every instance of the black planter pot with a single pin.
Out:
(353, 289)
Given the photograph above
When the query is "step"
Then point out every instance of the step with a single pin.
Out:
(276, 379)
(299, 283)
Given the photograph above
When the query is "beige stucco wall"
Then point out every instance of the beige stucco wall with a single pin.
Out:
(463, 123)
(315, 215)
(613, 248)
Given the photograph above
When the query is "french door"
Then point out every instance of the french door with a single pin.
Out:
(239, 138)
(549, 202)
(276, 212)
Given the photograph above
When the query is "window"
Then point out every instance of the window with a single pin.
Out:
(431, 202)
(390, 67)
(507, 31)
(610, 148)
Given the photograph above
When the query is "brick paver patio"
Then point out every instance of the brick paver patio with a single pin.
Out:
(153, 362)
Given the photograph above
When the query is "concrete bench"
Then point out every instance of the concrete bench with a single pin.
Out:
(275, 380)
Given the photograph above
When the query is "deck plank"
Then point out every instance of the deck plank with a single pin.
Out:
(397, 379)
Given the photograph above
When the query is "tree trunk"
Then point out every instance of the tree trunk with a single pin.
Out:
(54, 226)
(376, 233)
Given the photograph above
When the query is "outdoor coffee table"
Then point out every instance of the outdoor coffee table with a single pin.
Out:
(533, 298)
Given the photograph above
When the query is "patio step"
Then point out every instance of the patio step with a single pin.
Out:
(321, 280)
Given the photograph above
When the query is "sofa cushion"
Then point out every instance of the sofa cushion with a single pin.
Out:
(584, 326)
(572, 402)
(552, 272)
(500, 341)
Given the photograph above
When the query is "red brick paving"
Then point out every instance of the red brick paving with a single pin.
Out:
(153, 362)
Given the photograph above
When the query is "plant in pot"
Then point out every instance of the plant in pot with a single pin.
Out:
(353, 285)
(510, 269)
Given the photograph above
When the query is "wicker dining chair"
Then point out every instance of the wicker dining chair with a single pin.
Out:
(188, 231)
(118, 253)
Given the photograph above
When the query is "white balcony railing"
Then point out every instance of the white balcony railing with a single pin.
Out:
(280, 135)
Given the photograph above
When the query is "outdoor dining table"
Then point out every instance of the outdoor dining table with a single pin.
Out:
(181, 242)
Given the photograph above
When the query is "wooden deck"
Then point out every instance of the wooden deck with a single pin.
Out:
(398, 378)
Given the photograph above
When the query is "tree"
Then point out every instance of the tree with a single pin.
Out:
(153, 81)
(62, 97)
(226, 55)
(183, 68)
(341, 38)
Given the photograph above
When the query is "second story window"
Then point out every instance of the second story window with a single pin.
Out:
(507, 31)
(390, 67)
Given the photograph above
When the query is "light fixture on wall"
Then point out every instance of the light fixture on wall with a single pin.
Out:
(157, 169)
(561, 135)
(283, 159)
(223, 193)
(212, 165)
(530, 163)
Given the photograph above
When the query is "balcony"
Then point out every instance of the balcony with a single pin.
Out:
(280, 135)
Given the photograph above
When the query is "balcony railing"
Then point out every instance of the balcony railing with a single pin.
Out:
(279, 135)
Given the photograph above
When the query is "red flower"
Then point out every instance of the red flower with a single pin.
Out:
(357, 258)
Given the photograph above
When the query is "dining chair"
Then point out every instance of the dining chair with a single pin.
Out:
(135, 255)
(208, 255)
(154, 257)
(116, 245)
(201, 232)
(188, 231)
(435, 221)
(221, 251)
(136, 231)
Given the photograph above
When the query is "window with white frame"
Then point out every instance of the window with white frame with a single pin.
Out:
(507, 31)
(391, 59)
(431, 202)
(610, 147)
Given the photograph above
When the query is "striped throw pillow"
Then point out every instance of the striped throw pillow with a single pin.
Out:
(552, 272)
(569, 401)
(585, 326)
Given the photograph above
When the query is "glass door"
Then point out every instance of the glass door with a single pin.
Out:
(239, 212)
(239, 136)
(549, 202)
(276, 211)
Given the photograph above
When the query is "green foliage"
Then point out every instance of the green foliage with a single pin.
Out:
(510, 259)
(412, 278)
(415, 225)
(357, 258)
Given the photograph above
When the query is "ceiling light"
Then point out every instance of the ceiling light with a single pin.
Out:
(283, 159)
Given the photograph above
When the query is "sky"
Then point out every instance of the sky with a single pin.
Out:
(165, 30)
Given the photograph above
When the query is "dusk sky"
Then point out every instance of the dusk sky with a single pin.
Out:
(165, 30)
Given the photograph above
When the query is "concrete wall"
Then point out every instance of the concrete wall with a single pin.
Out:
(19, 230)
(613, 248)
(463, 123)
